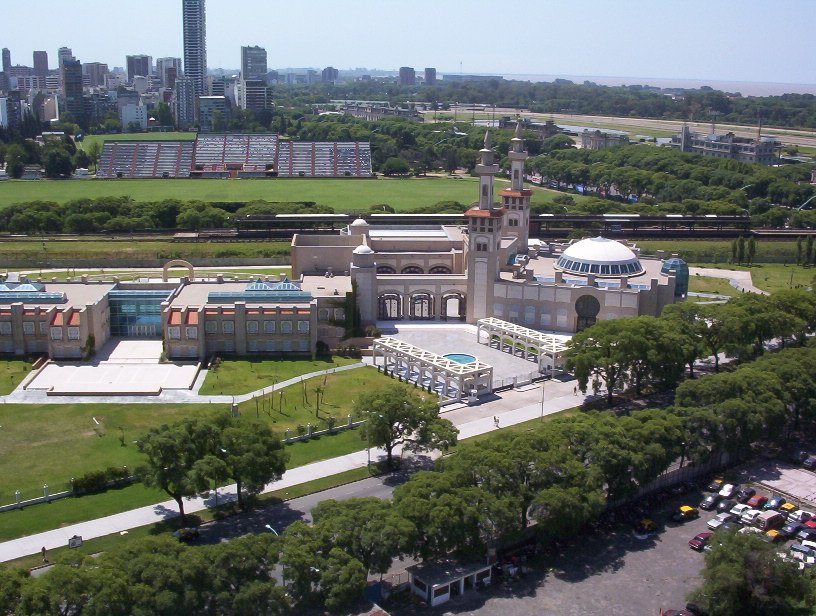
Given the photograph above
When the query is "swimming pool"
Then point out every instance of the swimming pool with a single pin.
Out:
(460, 358)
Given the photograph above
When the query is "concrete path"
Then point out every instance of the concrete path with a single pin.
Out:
(510, 407)
(739, 279)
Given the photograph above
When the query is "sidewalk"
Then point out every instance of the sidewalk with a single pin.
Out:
(511, 407)
(739, 279)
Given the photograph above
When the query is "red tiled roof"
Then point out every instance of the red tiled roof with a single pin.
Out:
(74, 318)
(475, 212)
(507, 192)
(192, 318)
(59, 319)
(175, 318)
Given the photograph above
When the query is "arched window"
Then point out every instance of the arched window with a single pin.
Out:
(412, 269)
(386, 269)
(439, 269)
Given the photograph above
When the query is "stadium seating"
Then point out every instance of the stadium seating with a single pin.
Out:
(146, 159)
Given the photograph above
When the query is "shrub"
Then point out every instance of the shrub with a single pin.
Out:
(99, 481)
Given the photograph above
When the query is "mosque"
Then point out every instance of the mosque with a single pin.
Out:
(488, 268)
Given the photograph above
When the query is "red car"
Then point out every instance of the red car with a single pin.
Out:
(700, 541)
(811, 523)
(757, 502)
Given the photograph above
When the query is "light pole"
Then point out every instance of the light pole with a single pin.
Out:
(542, 399)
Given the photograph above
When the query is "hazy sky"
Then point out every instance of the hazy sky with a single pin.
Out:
(737, 40)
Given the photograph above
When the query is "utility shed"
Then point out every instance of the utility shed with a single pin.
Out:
(437, 581)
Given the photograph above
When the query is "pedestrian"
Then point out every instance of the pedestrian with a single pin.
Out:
(44, 555)
(575, 391)
(496, 421)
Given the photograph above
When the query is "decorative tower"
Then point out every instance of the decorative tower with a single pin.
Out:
(485, 225)
(516, 198)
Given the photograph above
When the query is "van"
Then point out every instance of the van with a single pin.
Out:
(769, 520)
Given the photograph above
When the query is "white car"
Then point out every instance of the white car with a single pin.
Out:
(800, 516)
(749, 516)
(752, 530)
(720, 519)
(728, 490)
(738, 510)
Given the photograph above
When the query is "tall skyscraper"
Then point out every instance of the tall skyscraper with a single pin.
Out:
(72, 83)
(195, 43)
(168, 70)
(40, 63)
(184, 102)
(6, 60)
(140, 65)
(63, 54)
(430, 76)
(329, 74)
(96, 72)
(407, 76)
(253, 62)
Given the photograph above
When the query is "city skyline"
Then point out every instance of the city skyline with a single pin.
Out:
(588, 37)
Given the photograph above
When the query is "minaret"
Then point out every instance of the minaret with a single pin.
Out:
(485, 225)
(517, 199)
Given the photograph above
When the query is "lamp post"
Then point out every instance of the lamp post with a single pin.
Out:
(542, 399)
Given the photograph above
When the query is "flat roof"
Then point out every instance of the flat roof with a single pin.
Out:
(436, 573)
(406, 233)
(78, 294)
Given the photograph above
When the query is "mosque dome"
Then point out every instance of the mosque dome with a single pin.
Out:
(362, 249)
(600, 256)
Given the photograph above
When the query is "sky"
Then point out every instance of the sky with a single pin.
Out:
(744, 40)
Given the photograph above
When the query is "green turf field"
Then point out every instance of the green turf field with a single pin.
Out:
(775, 276)
(717, 251)
(352, 195)
(173, 136)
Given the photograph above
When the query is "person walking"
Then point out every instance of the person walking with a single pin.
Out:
(44, 555)
(575, 391)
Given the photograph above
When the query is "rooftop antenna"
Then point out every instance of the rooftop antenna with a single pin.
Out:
(759, 126)
(713, 115)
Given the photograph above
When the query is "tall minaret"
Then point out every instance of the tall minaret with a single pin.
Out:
(517, 199)
(485, 225)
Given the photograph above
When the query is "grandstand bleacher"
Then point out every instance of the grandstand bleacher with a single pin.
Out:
(234, 155)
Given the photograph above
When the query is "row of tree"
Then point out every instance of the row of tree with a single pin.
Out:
(58, 157)
(648, 351)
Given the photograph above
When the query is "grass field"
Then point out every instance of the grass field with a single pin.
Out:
(774, 276)
(717, 251)
(12, 371)
(709, 284)
(237, 273)
(172, 136)
(344, 195)
(243, 376)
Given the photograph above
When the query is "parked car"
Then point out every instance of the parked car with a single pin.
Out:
(806, 534)
(729, 490)
(749, 516)
(750, 530)
(710, 502)
(744, 494)
(787, 509)
(769, 520)
(729, 526)
(720, 519)
(811, 523)
(757, 501)
(700, 541)
(798, 456)
(686, 512)
(715, 485)
(738, 510)
(791, 528)
(695, 609)
(186, 535)
(799, 550)
(726, 505)
(810, 462)
(800, 515)
(772, 536)
(775, 503)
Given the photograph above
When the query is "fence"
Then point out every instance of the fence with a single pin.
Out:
(47, 496)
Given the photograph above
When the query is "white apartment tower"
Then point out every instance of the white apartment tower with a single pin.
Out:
(195, 44)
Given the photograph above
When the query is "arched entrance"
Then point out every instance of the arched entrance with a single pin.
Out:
(453, 306)
(390, 307)
(178, 263)
(421, 306)
(587, 308)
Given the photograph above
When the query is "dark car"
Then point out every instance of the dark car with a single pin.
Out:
(806, 534)
(700, 541)
(790, 530)
(757, 502)
(685, 513)
(730, 526)
(810, 462)
(186, 535)
(715, 486)
(726, 505)
(775, 503)
(710, 502)
(744, 494)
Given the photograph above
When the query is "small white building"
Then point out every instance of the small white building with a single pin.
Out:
(436, 582)
(134, 114)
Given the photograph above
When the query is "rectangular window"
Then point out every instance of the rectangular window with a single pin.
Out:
(286, 327)
(5, 328)
(545, 319)
(303, 346)
(56, 333)
(303, 327)
(43, 328)
(174, 333)
(211, 327)
(191, 333)
(498, 310)
(287, 345)
(269, 327)
(73, 333)
(28, 328)
(271, 346)
(252, 327)
(323, 314)
(228, 327)
(339, 314)
(252, 346)
(529, 315)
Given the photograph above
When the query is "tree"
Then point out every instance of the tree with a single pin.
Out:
(809, 250)
(750, 250)
(799, 241)
(597, 352)
(164, 115)
(173, 452)
(217, 121)
(57, 163)
(395, 166)
(94, 151)
(745, 575)
(247, 451)
(394, 417)
(343, 579)
(740, 250)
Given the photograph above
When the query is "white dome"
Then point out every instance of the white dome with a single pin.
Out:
(600, 256)
(359, 223)
(362, 249)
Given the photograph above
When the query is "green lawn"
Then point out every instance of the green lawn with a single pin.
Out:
(133, 274)
(246, 375)
(717, 251)
(344, 195)
(709, 284)
(171, 136)
(12, 371)
(774, 276)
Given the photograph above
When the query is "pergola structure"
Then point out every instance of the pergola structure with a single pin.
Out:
(451, 379)
(522, 339)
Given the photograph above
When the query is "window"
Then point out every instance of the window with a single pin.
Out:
(252, 327)
(303, 327)
(28, 328)
(303, 346)
(545, 319)
(211, 327)
(174, 333)
(339, 314)
(73, 333)
(498, 309)
(271, 346)
(514, 222)
(287, 346)
(269, 327)
(481, 246)
(191, 333)
(286, 327)
(5, 328)
(228, 327)
(529, 315)
(43, 328)
(323, 314)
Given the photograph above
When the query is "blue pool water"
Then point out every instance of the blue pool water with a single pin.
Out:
(460, 358)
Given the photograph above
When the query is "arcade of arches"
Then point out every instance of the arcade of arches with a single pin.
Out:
(422, 306)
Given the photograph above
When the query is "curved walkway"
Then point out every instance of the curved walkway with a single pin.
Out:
(174, 396)
(739, 279)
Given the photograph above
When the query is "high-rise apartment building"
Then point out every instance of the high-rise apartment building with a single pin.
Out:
(253, 62)
(168, 70)
(184, 102)
(95, 72)
(253, 95)
(72, 84)
(41, 63)
(430, 76)
(329, 74)
(407, 76)
(6, 60)
(195, 43)
(138, 65)
(63, 54)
